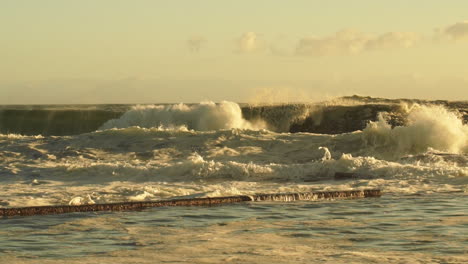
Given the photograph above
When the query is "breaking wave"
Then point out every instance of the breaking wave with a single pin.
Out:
(427, 127)
(161, 151)
(337, 116)
(201, 117)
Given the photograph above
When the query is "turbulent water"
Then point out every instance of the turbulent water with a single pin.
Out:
(53, 155)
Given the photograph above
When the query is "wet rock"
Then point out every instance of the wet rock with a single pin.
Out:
(126, 206)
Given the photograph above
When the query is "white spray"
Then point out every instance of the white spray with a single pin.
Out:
(427, 127)
(201, 117)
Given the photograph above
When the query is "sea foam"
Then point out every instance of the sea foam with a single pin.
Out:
(205, 116)
(426, 127)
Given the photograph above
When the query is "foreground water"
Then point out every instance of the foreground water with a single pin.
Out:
(403, 229)
(414, 151)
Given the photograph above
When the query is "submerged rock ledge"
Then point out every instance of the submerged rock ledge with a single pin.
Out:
(127, 206)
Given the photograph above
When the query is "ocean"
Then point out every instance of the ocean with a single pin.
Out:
(414, 151)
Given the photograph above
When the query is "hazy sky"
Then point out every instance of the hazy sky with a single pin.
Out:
(144, 51)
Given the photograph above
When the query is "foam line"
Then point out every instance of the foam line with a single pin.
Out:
(128, 206)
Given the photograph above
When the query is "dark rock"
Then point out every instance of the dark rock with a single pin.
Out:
(127, 206)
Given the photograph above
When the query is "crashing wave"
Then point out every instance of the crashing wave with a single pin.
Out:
(426, 127)
(201, 117)
(341, 115)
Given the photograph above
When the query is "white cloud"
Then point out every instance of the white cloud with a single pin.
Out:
(392, 40)
(342, 42)
(352, 41)
(458, 30)
(195, 42)
(248, 42)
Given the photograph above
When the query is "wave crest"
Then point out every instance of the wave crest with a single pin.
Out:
(426, 127)
(205, 116)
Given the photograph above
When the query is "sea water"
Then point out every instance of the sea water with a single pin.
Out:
(414, 151)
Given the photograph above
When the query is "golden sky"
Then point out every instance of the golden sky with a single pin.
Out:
(152, 51)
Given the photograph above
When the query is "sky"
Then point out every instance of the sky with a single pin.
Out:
(155, 51)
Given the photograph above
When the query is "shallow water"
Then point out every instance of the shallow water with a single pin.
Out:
(429, 228)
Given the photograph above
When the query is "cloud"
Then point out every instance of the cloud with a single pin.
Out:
(392, 40)
(248, 42)
(346, 42)
(194, 43)
(457, 31)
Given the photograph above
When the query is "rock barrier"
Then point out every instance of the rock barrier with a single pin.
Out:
(129, 206)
